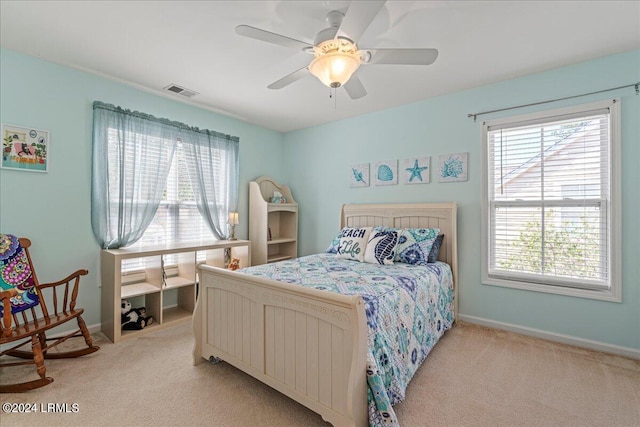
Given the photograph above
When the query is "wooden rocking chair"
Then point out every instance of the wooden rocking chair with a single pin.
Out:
(29, 326)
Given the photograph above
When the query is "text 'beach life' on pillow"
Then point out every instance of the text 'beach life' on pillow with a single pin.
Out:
(353, 243)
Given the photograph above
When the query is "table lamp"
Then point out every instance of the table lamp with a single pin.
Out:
(233, 221)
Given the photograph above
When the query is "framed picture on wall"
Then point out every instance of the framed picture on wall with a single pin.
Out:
(25, 149)
(416, 170)
(359, 175)
(386, 172)
(452, 167)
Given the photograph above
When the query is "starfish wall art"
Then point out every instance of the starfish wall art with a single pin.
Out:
(416, 170)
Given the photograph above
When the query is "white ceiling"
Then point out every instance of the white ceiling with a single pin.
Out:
(151, 44)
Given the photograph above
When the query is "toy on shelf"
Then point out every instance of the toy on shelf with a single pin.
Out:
(134, 319)
(234, 264)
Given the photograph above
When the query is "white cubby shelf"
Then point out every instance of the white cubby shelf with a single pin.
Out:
(168, 290)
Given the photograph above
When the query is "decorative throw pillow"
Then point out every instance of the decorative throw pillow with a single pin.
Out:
(435, 249)
(353, 243)
(414, 245)
(385, 228)
(333, 246)
(381, 247)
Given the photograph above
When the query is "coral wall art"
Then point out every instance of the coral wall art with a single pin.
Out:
(386, 172)
(416, 170)
(359, 175)
(452, 167)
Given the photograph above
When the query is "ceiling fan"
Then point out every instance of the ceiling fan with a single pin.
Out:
(336, 52)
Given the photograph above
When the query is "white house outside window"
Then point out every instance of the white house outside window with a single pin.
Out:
(551, 201)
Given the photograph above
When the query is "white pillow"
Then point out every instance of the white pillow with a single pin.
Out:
(381, 247)
(353, 243)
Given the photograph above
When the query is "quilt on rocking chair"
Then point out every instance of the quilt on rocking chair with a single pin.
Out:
(15, 272)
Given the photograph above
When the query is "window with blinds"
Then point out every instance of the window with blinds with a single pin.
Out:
(549, 208)
(177, 218)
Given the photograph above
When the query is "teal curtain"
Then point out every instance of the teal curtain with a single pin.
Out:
(212, 164)
(132, 155)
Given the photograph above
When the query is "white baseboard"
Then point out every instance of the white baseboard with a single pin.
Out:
(552, 336)
(58, 333)
(94, 328)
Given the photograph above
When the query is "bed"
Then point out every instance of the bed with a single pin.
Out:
(307, 343)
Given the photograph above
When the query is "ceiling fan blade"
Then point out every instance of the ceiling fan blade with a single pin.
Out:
(358, 17)
(403, 56)
(354, 88)
(289, 78)
(267, 36)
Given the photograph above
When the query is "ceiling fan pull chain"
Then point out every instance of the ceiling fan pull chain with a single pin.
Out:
(334, 95)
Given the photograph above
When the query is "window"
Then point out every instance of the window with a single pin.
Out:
(551, 216)
(177, 218)
(159, 182)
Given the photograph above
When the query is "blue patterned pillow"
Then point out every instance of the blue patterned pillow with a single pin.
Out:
(414, 245)
(381, 247)
(333, 246)
(435, 249)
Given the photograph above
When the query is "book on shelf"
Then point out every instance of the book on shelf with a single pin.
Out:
(269, 237)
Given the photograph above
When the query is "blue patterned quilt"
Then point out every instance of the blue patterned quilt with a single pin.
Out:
(408, 309)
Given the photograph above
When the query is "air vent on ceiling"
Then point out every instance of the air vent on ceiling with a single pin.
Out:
(180, 90)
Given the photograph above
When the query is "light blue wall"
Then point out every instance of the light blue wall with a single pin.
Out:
(54, 209)
(318, 161)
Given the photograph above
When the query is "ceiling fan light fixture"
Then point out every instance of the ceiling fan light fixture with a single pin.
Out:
(335, 62)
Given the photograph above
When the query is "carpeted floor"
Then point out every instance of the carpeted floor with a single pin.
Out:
(475, 376)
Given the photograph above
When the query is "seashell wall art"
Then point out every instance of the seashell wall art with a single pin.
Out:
(413, 170)
(386, 172)
(359, 175)
(452, 167)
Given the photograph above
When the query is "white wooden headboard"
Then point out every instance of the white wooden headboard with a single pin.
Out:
(414, 215)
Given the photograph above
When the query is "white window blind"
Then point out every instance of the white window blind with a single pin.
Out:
(549, 194)
(177, 218)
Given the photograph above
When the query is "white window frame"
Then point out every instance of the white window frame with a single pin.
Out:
(528, 282)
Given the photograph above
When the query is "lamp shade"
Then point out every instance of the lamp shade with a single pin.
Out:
(334, 69)
(233, 218)
(335, 61)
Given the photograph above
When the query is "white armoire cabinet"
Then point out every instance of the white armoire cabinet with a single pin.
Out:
(273, 222)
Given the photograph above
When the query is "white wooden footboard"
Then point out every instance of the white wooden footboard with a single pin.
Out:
(310, 345)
